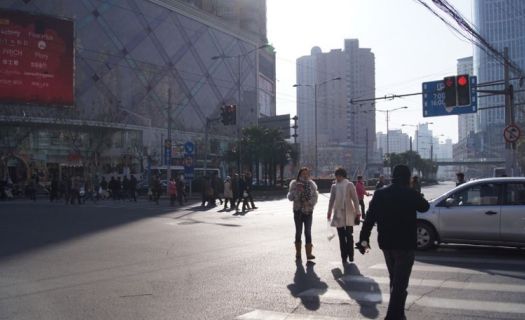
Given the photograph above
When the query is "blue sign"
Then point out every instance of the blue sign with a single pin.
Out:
(188, 166)
(189, 147)
(434, 100)
(167, 152)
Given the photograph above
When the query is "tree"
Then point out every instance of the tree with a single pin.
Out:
(263, 147)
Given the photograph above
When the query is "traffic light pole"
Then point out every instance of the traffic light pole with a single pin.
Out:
(206, 137)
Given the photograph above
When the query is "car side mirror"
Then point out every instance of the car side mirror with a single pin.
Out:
(450, 202)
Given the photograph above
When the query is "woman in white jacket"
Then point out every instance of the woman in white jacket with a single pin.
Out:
(345, 205)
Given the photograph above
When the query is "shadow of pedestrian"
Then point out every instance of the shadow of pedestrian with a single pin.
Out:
(363, 290)
(307, 285)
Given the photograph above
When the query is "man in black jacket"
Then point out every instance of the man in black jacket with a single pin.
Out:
(394, 208)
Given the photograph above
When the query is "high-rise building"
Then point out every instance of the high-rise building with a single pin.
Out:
(326, 82)
(501, 23)
(398, 142)
(424, 141)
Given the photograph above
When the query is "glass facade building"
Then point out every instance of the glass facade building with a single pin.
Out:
(133, 59)
(502, 24)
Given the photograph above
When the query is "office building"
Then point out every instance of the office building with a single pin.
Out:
(326, 82)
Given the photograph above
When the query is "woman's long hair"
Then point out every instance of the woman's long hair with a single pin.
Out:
(301, 171)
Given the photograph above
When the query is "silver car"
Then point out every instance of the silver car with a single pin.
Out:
(487, 211)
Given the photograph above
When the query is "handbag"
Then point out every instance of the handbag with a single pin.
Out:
(357, 220)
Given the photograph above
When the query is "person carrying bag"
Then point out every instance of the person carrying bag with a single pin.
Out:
(344, 203)
(303, 193)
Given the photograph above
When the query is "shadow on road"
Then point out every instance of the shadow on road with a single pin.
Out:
(26, 226)
(359, 291)
(498, 261)
(307, 285)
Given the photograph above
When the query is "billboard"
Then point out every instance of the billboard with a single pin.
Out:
(36, 59)
(280, 122)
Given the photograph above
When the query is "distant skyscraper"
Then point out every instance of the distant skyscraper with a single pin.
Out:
(398, 142)
(424, 141)
(342, 128)
(466, 122)
(502, 24)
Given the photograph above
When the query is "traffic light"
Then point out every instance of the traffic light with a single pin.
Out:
(224, 116)
(229, 115)
(450, 91)
(463, 89)
(233, 114)
(457, 90)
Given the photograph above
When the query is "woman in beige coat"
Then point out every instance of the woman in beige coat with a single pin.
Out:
(345, 205)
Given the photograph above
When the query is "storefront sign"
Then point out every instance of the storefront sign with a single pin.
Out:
(36, 59)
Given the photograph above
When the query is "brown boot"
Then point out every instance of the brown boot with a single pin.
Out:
(308, 248)
(298, 250)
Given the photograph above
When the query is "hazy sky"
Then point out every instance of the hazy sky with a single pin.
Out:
(410, 44)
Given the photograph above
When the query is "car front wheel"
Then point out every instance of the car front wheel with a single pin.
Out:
(426, 236)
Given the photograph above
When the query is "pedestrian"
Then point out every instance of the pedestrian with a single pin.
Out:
(133, 188)
(228, 193)
(393, 209)
(75, 190)
(206, 192)
(243, 195)
(181, 190)
(461, 178)
(361, 193)
(249, 188)
(118, 188)
(156, 189)
(216, 185)
(31, 187)
(345, 206)
(381, 183)
(112, 187)
(53, 193)
(235, 189)
(125, 188)
(96, 187)
(415, 184)
(172, 191)
(303, 193)
(104, 188)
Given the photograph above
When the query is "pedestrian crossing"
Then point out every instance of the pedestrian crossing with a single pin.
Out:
(451, 285)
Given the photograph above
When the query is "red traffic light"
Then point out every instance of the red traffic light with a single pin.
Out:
(449, 82)
(462, 80)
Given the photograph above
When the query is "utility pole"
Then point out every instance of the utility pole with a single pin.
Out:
(168, 173)
(510, 153)
(366, 152)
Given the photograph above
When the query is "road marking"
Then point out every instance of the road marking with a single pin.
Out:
(445, 284)
(498, 261)
(356, 297)
(442, 269)
(272, 315)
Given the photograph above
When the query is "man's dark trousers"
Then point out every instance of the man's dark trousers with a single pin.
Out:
(399, 264)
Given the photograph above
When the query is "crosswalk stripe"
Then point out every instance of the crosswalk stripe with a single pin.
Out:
(272, 315)
(423, 301)
(443, 269)
(472, 260)
(445, 284)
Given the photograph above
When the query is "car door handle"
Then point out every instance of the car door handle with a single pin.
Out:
(490, 213)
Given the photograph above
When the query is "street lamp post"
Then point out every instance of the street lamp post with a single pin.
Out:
(315, 87)
(238, 109)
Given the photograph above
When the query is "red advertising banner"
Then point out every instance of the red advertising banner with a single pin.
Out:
(36, 59)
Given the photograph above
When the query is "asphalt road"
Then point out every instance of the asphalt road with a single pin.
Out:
(121, 260)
